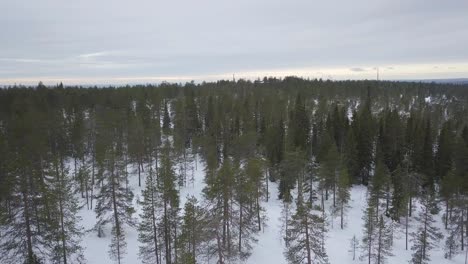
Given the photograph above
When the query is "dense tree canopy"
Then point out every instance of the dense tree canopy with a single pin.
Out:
(404, 140)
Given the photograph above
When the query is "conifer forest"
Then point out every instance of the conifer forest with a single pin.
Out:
(277, 170)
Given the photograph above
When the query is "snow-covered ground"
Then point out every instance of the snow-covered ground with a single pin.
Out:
(270, 243)
(270, 247)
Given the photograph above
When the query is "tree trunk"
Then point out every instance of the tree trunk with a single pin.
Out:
(311, 192)
(462, 231)
(466, 223)
(334, 195)
(64, 246)
(387, 199)
(266, 183)
(286, 210)
(220, 248)
(139, 174)
(446, 213)
(116, 216)
(240, 226)
(424, 244)
(410, 209)
(258, 213)
(175, 242)
(92, 181)
(153, 209)
(126, 173)
(166, 234)
(193, 240)
(406, 226)
(466, 256)
(379, 251)
(341, 215)
(307, 240)
(28, 226)
(369, 239)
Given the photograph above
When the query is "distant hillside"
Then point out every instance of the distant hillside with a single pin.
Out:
(453, 81)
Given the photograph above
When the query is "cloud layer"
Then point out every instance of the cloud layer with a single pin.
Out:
(178, 40)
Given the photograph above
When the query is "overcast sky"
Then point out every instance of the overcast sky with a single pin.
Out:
(113, 41)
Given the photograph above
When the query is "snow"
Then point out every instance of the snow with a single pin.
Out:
(428, 99)
(270, 243)
(96, 249)
(338, 241)
(270, 246)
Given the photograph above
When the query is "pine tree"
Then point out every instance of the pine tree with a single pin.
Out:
(384, 241)
(255, 170)
(399, 195)
(456, 216)
(303, 237)
(451, 244)
(166, 119)
(426, 236)
(427, 163)
(292, 169)
(364, 131)
(219, 194)
(378, 235)
(299, 127)
(118, 245)
(169, 199)
(136, 142)
(449, 188)
(380, 187)
(368, 240)
(444, 151)
(275, 142)
(343, 194)
(311, 176)
(27, 226)
(351, 155)
(114, 202)
(68, 233)
(329, 168)
(354, 244)
(193, 235)
(148, 229)
(22, 237)
(248, 195)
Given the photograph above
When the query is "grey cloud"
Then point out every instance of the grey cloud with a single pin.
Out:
(164, 38)
(357, 69)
